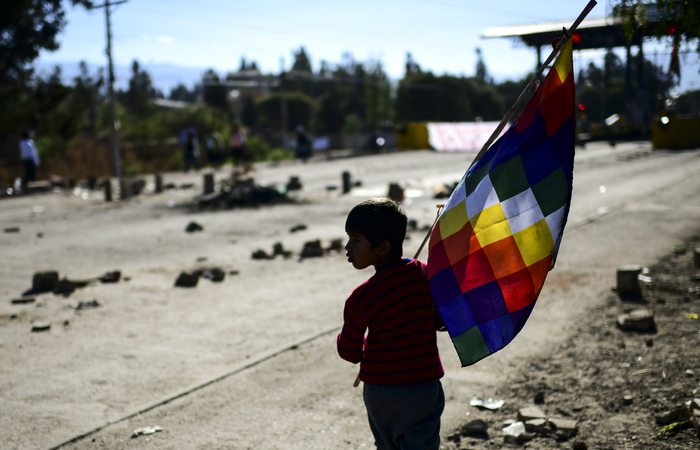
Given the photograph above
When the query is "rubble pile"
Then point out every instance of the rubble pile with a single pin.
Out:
(311, 249)
(239, 192)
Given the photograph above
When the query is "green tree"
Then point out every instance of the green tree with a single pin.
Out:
(677, 18)
(138, 98)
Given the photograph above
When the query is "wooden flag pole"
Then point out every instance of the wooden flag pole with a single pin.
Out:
(559, 45)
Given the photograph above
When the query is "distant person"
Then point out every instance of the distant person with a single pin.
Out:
(215, 145)
(399, 360)
(191, 152)
(236, 144)
(30, 157)
(303, 141)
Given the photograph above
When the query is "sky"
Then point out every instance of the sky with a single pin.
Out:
(177, 40)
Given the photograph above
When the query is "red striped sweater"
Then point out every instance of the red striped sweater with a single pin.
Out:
(401, 345)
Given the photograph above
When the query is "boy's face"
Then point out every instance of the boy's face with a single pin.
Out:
(359, 251)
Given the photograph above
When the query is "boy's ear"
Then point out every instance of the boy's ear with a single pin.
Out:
(385, 248)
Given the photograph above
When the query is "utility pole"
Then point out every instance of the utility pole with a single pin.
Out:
(112, 99)
(283, 102)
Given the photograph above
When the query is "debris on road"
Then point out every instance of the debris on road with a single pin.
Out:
(488, 404)
(145, 431)
(45, 281)
(294, 184)
(193, 227)
(88, 305)
(237, 191)
(474, 427)
(12, 230)
(187, 280)
(22, 300)
(214, 274)
(298, 227)
(65, 287)
(638, 320)
(39, 327)
(110, 277)
(312, 249)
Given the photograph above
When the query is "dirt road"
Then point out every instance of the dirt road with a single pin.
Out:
(264, 339)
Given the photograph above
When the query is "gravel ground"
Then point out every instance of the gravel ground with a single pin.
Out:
(612, 382)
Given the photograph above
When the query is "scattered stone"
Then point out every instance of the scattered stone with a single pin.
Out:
(488, 404)
(40, 235)
(186, 185)
(88, 305)
(628, 280)
(690, 373)
(637, 320)
(208, 183)
(679, 250)
(696, 257)
(474, 427)
(39, 327)
(347, 182)
(515, 432)
(233, 272)
(22, 300)
(412, 225)
(293, 184)
(675, 415)
(278, 249)
(12, 230)
(627, 400)
(298, 227)
(694, 405)
(65, 287)
(396, 192)
(214, 274)
(66, 323)
(649, 342)
(529, 413)
(35, 187)
(565, 428)
(312, 249)
(696, 423)
(336, 245)
(261, 254)
(202, 259)
(193, 227)
(536, 425)
(187, 280)
(579, 445)
(111, 277)
(331, 187)
(145, 431)
(45, 281)
(539, 397)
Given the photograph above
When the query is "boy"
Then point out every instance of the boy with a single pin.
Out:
(399, 360)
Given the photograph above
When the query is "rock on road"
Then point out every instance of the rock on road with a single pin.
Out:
(148, 342)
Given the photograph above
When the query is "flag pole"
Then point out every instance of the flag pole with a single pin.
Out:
(559, 45)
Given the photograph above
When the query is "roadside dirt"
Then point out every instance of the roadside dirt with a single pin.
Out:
(612, 382)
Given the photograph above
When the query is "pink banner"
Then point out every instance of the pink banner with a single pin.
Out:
(460, 137)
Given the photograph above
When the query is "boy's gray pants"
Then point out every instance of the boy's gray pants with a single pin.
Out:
(405, 417)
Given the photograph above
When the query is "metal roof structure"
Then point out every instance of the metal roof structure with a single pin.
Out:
(593, 33)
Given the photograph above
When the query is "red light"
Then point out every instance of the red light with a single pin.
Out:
(672, 29)
(581, 107)
(576, 38)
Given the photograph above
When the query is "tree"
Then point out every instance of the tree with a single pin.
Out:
(481, 72)
(181, 93)
(677, 18)
(214, 92)
(302, 63)
(141, 92)
(87, 95)
(26, 28)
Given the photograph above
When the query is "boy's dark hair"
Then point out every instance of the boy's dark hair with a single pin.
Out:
(379, 220)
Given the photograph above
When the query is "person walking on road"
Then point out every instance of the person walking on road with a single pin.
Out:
(30, 157)
(191, 152)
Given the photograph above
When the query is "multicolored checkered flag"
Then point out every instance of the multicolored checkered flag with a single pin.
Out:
(500, 231)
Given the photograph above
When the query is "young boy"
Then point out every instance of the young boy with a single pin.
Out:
(399, 360)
